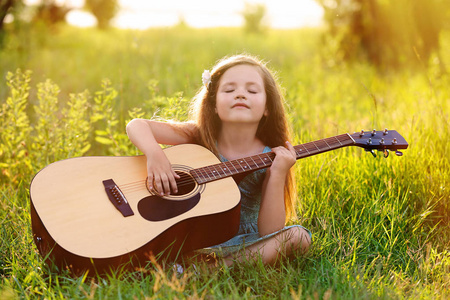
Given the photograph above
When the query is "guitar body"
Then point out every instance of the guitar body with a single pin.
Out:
(76, 223)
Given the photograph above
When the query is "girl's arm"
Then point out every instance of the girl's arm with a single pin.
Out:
(272, 213)
(146, 135)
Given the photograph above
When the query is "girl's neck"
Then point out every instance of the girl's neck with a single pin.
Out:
(238, 141)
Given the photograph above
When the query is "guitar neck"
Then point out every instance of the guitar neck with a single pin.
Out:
(264, 160)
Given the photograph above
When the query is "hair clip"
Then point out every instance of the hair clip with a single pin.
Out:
(206, 78)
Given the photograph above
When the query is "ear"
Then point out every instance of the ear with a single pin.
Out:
(266, 112)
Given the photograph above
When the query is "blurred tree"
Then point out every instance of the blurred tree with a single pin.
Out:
(51, 13)
(387, 33)
(255, 17)
(8, 7)
(103, 10)
(5, 6)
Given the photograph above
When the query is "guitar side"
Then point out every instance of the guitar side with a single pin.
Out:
(74, 221)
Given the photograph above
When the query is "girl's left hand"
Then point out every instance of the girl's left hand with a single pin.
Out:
(285, 158)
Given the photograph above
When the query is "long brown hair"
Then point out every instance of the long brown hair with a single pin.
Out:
(273, 129)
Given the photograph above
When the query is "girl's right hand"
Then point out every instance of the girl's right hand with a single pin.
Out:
(161, 176)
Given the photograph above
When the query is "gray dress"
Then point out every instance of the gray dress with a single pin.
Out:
(250, 188)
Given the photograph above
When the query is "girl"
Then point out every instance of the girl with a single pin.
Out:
(237, 113)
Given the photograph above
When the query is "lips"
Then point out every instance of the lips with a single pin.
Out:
(240, 105)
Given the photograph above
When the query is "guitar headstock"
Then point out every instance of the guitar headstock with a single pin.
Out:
(380, 140)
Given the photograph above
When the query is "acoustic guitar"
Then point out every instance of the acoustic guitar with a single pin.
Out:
(97, 213)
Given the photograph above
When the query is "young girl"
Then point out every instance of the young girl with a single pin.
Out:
(237, 113)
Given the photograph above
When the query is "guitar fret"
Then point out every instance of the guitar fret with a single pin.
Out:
(218, 172)
(236, 166)
(314, 143)
(305, 149)
(251, 163)
(199, 173)
(233, 167)
(311, 149)
(240, 163)
(255, 159)
(256, 165)
(266, 157)
(222, 170)
(259, 159)
(215, 172)
(298, 151)
(226, 168)
(204, 174)
(208, 172)
(332, 142)
(320, 145)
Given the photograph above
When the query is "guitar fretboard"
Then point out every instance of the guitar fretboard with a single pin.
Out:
(264, 160)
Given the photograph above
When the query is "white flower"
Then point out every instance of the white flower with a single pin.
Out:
(206, 78)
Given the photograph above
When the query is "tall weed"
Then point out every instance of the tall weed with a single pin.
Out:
(15, 129)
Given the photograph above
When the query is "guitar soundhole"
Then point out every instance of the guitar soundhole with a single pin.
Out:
(158, 208)
(185, 184)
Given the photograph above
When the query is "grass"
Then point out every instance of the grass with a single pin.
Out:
(380, 226)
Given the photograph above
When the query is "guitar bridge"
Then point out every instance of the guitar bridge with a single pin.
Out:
(117, 198)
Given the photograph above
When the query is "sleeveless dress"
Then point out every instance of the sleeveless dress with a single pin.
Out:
(250, 188)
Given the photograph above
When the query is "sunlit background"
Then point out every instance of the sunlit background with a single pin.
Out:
(75, 72)
(141, 14)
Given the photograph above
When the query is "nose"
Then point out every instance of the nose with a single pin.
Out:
(240, 95)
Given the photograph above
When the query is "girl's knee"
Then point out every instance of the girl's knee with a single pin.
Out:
(299, 238)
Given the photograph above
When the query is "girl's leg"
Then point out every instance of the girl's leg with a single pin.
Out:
(282, 244)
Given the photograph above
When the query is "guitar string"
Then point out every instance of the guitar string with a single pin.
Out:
(213, 171)
(186, 179)
(183, 178)
(216, 171)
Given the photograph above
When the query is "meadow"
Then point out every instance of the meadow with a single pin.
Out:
(381, 227)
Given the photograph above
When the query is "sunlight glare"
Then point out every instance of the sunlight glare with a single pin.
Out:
(81, 18)
(203, 13)
(142, 14)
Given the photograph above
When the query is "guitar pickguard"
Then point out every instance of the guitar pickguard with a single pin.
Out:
(155, 208)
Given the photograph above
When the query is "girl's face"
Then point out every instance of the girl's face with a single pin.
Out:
(241, 97)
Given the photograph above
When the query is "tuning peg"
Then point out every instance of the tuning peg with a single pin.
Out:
(372, 152)
(386, 153)
(398, 153)
(361, 133)
(385, 132)
(374, 132)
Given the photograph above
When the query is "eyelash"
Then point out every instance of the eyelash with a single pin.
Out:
(251, 92)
